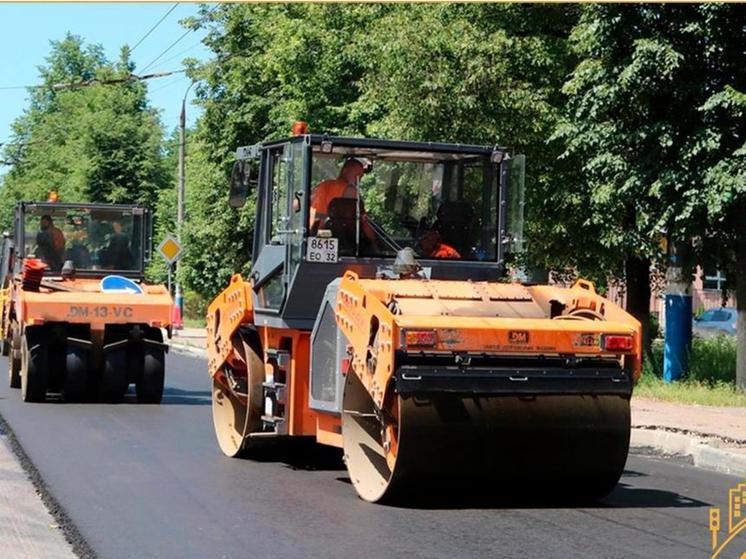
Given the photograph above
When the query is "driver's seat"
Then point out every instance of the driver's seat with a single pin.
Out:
(454, 223)
(341, 221)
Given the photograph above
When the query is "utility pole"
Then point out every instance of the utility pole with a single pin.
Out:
(179, 296)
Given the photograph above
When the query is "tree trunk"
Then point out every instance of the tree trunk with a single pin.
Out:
(741, 311)
(637, 276)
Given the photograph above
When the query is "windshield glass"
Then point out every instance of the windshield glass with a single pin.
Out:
(93, 239)
(443, 205)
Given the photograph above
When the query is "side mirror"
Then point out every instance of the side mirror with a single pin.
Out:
(239, 185)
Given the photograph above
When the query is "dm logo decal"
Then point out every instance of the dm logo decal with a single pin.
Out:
(518, 337)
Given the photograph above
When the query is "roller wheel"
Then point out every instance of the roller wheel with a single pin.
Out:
(14, 359)
(237, 396)
(370, 442)
(77, 386)
(34, 368)
(559, 446)
(150, 386)
(113, 383)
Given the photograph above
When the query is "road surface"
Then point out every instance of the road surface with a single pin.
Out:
(149, 481)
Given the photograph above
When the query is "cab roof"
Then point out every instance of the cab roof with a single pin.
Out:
(360, 146)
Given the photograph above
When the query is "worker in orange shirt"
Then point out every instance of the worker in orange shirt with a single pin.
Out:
(344, 186)
(433, 246)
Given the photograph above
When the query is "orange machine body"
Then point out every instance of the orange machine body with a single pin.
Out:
(458, 318)
(83, 302)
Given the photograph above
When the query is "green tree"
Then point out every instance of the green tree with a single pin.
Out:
(486, 74)
(97, 143)
(273, 64)
(656, 115)
(477, 74)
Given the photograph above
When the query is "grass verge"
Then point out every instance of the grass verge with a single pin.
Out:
(690, 392)
(710, 381)
(194, 322)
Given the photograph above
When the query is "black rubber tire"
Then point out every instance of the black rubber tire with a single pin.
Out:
(34, 368)
(77, 386)
(113, 383)
(14, 359)
(14, 372)
(150, 385)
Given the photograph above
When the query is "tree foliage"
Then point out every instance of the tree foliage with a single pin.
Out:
(656, 115)
(632, 118)
(99, 143)
(479, 74)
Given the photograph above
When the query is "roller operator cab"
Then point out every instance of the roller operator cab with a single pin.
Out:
(79, 321)
(376, 319)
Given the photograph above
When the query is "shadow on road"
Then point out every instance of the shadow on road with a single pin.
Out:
(297, 454)
(176, 396)
(626, 496)
(510, 497)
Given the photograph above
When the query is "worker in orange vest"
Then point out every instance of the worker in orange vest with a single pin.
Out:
(344, 186)
(433, 246)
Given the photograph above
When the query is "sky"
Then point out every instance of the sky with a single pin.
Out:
(27, 30)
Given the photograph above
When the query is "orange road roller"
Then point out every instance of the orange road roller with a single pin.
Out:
(78, 318)
(377, 319)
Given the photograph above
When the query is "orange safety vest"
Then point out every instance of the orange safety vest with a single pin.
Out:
(325, 192)
(445, 251)
(328, 190)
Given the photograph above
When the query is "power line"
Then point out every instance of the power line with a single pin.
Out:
(170, 58)
(95, 81)
(172, 45)
(153, 28)
(168, 84)
(131, 77)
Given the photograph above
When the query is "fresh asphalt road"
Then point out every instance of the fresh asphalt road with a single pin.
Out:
(149, 481)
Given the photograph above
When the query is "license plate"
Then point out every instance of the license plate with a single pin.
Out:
(322, 250)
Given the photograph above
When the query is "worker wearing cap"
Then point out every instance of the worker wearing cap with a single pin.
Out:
(433, 246)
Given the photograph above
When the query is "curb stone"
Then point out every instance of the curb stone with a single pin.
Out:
(703, 455)
(74, 543)
(187, 349)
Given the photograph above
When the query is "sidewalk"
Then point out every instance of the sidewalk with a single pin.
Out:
(713, 438)
(191, 339)
(27, 529)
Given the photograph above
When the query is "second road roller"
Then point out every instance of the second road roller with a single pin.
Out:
(377, 318)
(79, 320)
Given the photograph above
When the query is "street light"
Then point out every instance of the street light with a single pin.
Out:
(181, 191)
